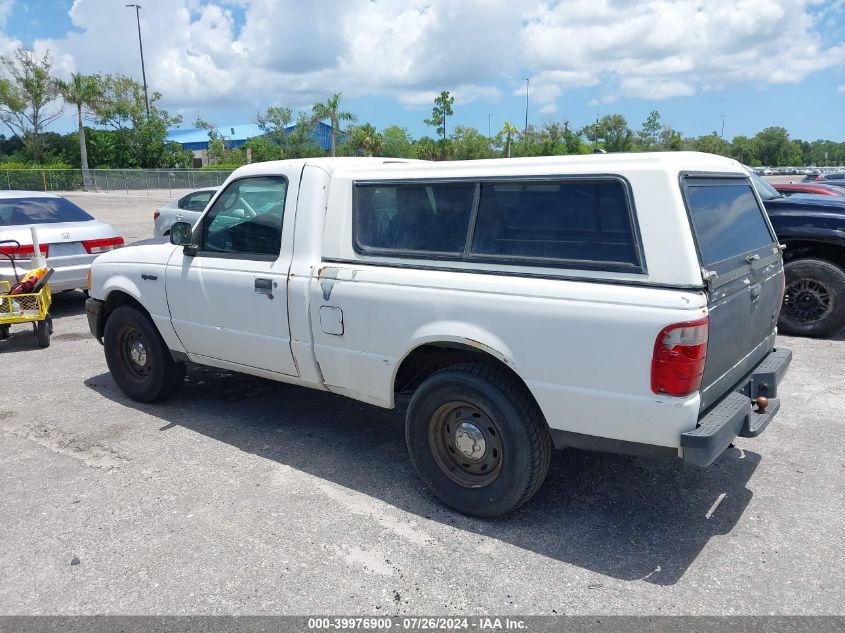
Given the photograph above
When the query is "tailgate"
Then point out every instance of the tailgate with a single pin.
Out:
(740, 258)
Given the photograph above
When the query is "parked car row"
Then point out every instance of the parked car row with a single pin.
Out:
(795, 171)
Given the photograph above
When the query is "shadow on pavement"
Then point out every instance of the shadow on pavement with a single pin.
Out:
(629, 518)
(70, 303)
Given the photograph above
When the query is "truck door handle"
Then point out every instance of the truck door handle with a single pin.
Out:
(264, 287)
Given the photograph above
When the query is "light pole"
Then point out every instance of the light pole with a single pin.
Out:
(722, 136)
(489, 133)
(141, 46)
(527, 87)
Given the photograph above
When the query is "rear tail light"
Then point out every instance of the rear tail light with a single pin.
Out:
(679, 354)
(24, 251)
(102, 245)
(156, 214)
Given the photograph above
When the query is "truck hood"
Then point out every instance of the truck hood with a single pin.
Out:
(152, 251)
(806, 201)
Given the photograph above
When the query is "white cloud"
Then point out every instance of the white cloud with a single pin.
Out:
(7, 43)
(841, 88)
(293, 53)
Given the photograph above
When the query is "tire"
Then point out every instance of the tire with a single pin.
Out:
(43, 331)
(814, 303)
(497, 455)
(138, 359)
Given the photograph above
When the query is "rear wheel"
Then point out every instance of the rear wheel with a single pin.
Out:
(814, 301)
(478, 439)
(138, 359)
(44, 330)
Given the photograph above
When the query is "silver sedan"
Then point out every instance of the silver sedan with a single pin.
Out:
(187, 209)
(69, 238)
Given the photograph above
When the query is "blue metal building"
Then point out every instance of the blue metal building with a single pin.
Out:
(196, 139)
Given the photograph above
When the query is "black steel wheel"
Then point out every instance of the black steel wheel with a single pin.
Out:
(44, 330)
(465, 444)
(814, 301)
(138, 358)
(478, 439)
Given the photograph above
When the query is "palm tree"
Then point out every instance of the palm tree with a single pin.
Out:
(81, 91)
(331, 110)
(509, 131)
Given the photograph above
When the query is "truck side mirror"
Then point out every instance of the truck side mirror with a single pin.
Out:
(181, 234)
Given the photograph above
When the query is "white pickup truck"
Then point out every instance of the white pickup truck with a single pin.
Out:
(622, 302)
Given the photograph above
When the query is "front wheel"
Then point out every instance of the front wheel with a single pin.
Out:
(138, 359)
(44, 330)
(478, 439)
(814, 301)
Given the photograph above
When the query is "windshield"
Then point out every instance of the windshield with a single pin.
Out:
(21, 211)
(766, 191)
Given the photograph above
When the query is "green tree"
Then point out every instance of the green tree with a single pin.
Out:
(670, 139)
(262, 148)
(507, 133)
(218, 148)
(825, 152)
(363, 140)
(396, 142)
(28, 96)
(649, 135)
(528, 142)
(614, 131)
(81, 91)
(712, 144)
(301, 140)
(744, 150)
(142, 139)
(470, 144)
(775, 148)
(331, 110)
(275, 123)
(440, 112)
(558, 138)
(426, 148)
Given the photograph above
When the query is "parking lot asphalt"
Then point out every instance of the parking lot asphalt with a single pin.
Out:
(243, 496)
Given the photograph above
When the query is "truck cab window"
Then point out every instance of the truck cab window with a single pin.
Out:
(247, 218)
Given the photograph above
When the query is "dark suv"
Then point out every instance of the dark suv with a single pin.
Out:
(813, 229)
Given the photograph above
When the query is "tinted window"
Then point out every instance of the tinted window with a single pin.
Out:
(413, 217)
(17, 211)
(195, 201)
(728, 220)
(247, 218)
(588, 221)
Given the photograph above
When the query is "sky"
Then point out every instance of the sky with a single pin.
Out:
(756, 63)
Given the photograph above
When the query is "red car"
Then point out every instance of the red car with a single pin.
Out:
(810, 187)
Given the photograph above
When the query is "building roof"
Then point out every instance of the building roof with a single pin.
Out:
(200, 135)
(237, 135)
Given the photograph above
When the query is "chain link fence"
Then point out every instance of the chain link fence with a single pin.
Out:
(112, 180)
